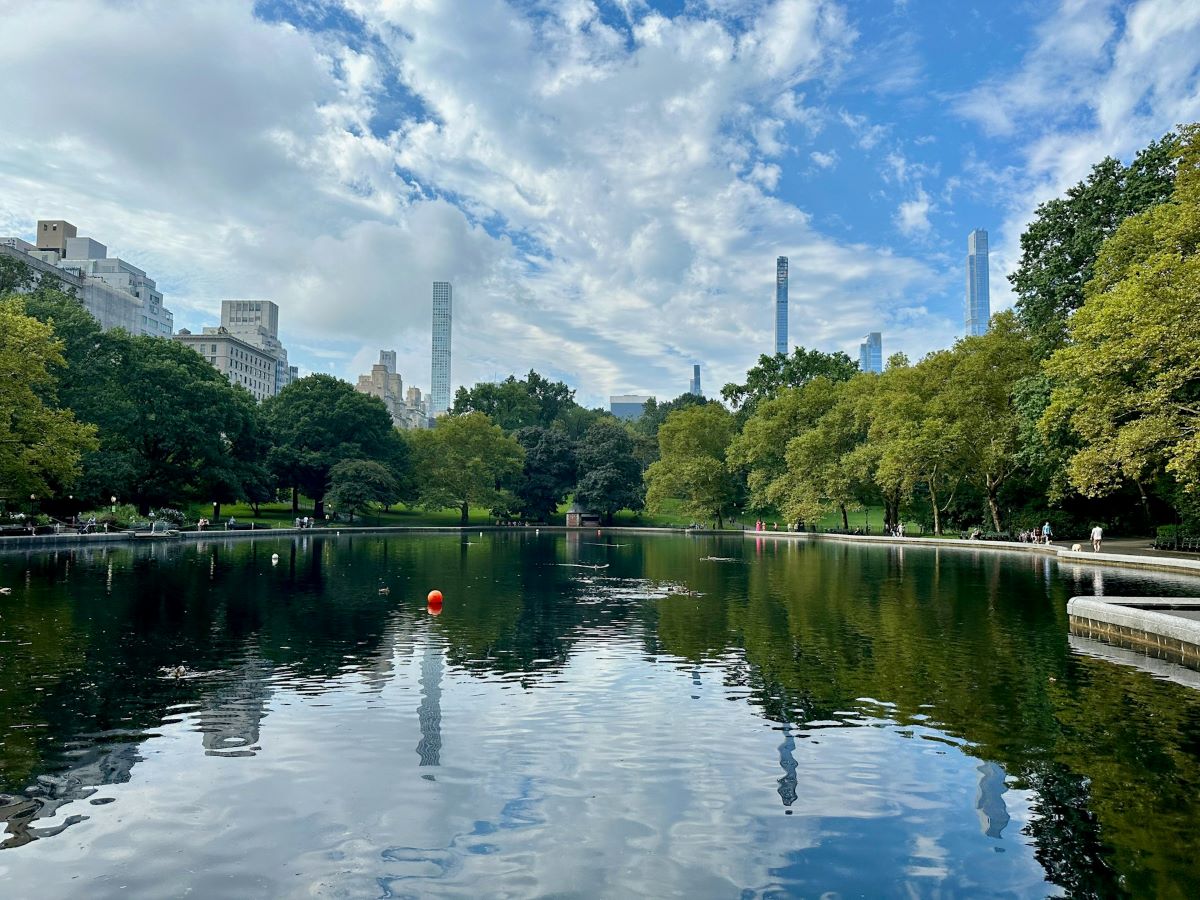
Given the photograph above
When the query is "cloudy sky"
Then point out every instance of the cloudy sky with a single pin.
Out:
(606, 183)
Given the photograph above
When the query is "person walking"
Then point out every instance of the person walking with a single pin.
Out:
(1047, 533)
(1097, 537)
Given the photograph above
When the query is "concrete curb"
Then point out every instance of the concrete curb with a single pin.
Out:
(1146, 623)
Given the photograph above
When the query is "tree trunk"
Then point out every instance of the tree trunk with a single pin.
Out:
(465, 509)
(933, 501)
(217, 512)
(1145, 505)
(319, 508)
(720, 521)
(994, 508)
(845, 518)
(295, 499)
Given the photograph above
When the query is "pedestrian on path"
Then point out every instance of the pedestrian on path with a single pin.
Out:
(1047, 533)
(1097, 537)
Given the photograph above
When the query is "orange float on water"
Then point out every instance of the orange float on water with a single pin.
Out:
(434, 597)
(434, 609)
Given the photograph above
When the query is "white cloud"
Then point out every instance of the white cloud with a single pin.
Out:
(824, 160)
(912, 218)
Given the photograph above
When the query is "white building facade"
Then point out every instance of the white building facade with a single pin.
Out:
(408, 411)
(117, 293)
(245, 347)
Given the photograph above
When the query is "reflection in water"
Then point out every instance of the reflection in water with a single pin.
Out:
(429, 713)
(628, 732)
(989, 802)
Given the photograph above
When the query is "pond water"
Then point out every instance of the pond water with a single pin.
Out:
(707, 717)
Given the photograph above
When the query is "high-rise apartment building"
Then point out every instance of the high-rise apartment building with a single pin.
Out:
(117, 293)
(781, 305)
(407, 410)
(694, 388)
(978, 307)
(870, 353)
(439, 381)
(245, 347)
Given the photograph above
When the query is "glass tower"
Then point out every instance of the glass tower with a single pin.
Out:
(694, 388)
(781, 310)
(870, 353)
(439, 381)
(978, 307)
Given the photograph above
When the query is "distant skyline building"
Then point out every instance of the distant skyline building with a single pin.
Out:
(627, 406)
(117, 293)
(870, 353)
(439, 381)
(408, 411)
(978, 303)
(781, 305)
(695, 385)
(245, 347)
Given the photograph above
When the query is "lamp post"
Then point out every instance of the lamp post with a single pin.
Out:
(113, 498)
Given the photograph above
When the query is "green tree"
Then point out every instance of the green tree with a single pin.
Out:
(356, 484)
(824, 464)
(978, 400)
(40, 444)
(692, 466)
(610, 476)
(532, 401)
(1128, 379)
(319, 421)
(1060, 246)
(773, 373)
(464, 460)
(548, 474)
(760, 448)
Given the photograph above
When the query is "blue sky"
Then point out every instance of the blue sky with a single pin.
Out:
(607, 183)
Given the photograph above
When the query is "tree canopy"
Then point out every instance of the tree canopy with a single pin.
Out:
(41, 445)
(692, 464)
(610, 476)
(548, 473)
(773, 373)
(466, 460)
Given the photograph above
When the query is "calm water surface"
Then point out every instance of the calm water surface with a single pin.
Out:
(781, 720)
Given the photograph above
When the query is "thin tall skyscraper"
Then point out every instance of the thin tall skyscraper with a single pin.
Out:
(781, 304)
(439, 381)
(695, 385)
(870, 353)
(979, 304)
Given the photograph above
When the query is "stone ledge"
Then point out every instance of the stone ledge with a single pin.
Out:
(1143, 622)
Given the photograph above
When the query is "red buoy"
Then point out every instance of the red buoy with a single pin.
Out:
(434, 609)
(434, 597)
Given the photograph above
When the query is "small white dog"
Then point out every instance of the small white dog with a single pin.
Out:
(1075, 548)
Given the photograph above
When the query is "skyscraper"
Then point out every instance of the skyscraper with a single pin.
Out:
(870, 353)
(694, 388)
(979, 305)
(439, 393)
(781, 310)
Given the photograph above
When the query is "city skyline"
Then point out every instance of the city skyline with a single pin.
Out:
(607, 200)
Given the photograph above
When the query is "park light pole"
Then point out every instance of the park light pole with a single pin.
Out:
(113, 498)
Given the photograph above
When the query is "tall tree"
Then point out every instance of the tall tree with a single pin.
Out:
(548, 473)
(356, 484)
(1060, 247)
(610, 476)
(692, 467)
(512, 404)
(773, 373)
(317, 422)
(465, 460)
(1128, 379)
(760, 448)
(40, 444)
(978, 399)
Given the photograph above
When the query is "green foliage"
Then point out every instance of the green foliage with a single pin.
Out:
(610, 476)
(319, 421)
(548, 474)
(1060, 246)
(773, 373)
(464, 460)
(1128, 380)
(356, 484)
(512, 404)
(692, 463)
(40, 444)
